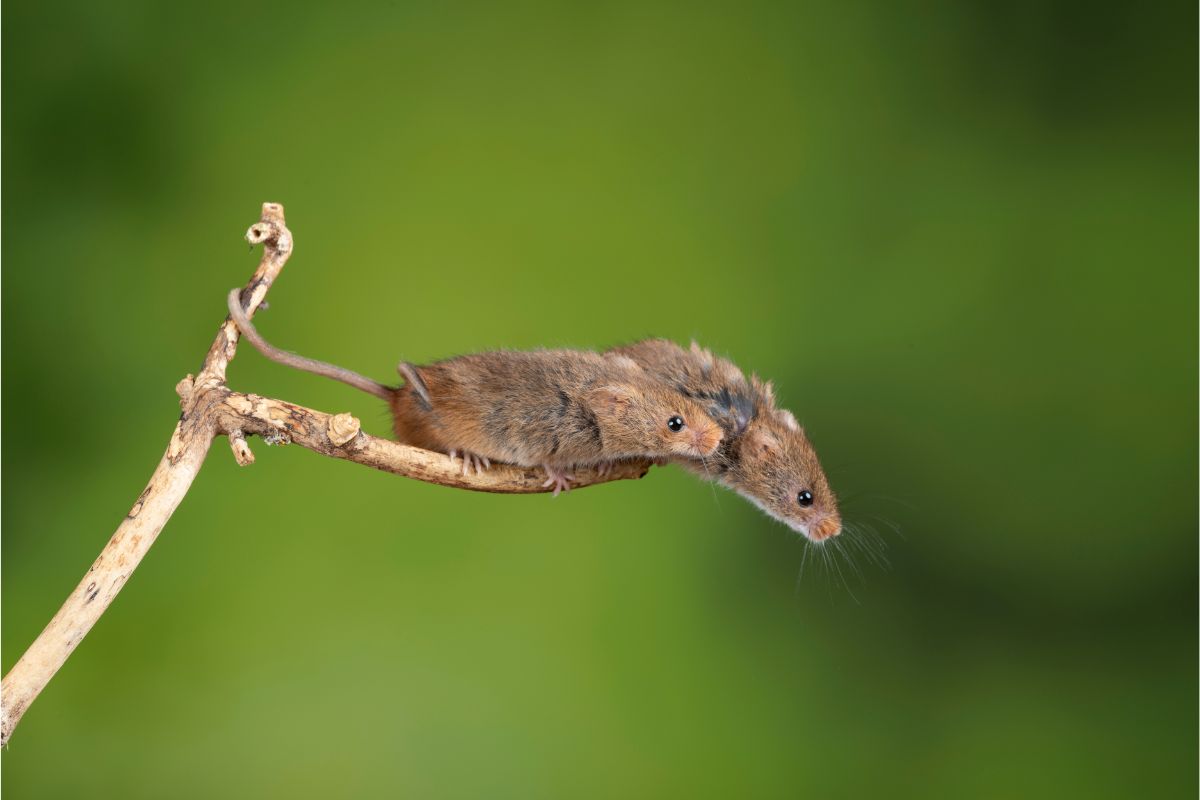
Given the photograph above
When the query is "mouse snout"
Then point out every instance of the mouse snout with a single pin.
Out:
(706, 437)
(826, 528)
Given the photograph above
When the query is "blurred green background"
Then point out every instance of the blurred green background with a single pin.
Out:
(961, 237)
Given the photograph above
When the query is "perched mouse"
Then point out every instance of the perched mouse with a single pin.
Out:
(764, 455)
(557, 409)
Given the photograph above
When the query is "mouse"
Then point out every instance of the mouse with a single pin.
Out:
(765, 455)
(554, 408)
(557, 409)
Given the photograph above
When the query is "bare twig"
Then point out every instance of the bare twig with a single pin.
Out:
(280, 423)
(210, 409)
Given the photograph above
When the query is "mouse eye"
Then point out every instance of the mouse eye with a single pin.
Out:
(805, 498)
(676, 424)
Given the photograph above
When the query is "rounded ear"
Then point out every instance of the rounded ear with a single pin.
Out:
(612, 397)
(761, 442)
(788, 419)
(623, 361)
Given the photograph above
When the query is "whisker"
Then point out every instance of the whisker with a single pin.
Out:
(711, 483)
(845, 583)
(864, 539)
(894, 526)
(842, 548)
(806, 547)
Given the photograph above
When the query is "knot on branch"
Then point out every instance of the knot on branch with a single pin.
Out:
(184, 389)
(342, 428)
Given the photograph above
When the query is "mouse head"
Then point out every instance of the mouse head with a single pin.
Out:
(653, 422)
(775, 467)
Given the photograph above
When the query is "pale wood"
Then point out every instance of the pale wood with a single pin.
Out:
(211, 409)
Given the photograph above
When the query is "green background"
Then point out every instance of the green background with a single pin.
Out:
(961, 237)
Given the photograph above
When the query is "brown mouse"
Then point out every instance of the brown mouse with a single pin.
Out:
(556, 409)
(765, 455)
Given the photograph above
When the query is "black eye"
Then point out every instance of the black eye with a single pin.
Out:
(805, 498)
(675, 424)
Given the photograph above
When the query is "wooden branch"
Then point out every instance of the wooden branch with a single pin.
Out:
(210, 409)
(339, 436)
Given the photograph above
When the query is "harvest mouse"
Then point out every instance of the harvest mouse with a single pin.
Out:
(765, 455)
(556, 409)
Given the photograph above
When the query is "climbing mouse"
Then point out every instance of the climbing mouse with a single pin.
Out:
(764, 455)
(557, 409)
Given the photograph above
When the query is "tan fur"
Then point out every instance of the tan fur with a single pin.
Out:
(554, 407)
(765, 455)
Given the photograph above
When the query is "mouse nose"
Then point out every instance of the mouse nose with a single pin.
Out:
(706, 438)
(826, 529)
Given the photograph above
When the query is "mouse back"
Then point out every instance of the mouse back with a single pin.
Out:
(715, 383)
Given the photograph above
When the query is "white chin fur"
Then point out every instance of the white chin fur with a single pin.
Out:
(797, 527)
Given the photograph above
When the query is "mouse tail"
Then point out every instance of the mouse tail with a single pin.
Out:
(349, 377)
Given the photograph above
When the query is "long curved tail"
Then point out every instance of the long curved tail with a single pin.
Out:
(349, 377)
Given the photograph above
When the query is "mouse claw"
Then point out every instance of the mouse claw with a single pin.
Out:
(471, 462)
(559, 479)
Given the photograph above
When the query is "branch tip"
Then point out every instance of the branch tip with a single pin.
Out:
(241, 450)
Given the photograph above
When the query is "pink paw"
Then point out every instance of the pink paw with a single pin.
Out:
(558, 478)
(471, 461)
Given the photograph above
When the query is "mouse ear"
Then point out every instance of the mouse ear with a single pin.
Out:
(623, 361)
(612, 397)
(788, 419)
(761, 442)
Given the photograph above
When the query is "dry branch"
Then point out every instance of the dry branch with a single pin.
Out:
(211, 409)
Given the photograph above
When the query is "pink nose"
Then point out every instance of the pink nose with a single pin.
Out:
(826, 528)
(706, 438)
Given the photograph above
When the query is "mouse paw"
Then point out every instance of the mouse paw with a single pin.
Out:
(471, 461)
(603, 468)
(558, 478)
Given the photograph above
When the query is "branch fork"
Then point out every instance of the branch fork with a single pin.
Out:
(210, 409)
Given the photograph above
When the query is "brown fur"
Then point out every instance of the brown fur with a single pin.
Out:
(563, 408)
(555, 407)
(765, 455)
